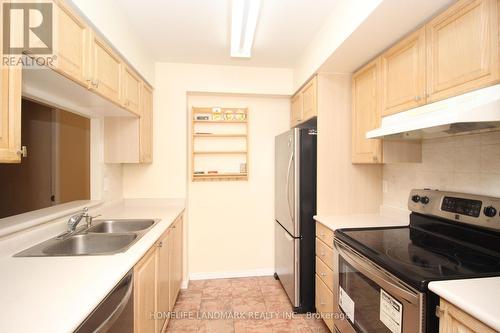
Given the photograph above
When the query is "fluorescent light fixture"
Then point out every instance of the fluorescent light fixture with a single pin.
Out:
(245, 14)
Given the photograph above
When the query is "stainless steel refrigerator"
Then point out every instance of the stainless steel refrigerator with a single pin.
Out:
(294, 208)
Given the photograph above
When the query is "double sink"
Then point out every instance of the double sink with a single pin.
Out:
(103, 238)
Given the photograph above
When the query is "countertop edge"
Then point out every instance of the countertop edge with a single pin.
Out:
(448, 291)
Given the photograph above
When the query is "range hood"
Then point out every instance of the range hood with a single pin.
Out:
(475, 111)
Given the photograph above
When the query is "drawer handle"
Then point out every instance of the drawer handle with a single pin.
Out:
(323, 274)
(322, 234)
(322, 254)
(322, 303)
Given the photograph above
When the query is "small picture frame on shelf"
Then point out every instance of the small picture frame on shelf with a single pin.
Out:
(229, 115)
(217, 114)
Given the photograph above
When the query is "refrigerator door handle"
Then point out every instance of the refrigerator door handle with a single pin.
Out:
(288, 186)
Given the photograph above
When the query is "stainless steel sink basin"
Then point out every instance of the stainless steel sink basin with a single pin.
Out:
(80, 245)
(104, 238)
(121, 226)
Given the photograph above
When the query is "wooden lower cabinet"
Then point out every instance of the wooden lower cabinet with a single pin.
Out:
(324, 274)
(157, 281)
(145, 283)
(176, 261)
(324, 302)
(454, 320)
(164, 301)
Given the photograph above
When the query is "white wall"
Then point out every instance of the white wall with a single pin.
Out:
(343, 187)
(106, 180)
(469, 164)
(167, 177)
(112, 22)
(231, 229)
(345, 18)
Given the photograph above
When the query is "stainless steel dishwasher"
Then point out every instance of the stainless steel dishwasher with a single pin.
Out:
(115, 314)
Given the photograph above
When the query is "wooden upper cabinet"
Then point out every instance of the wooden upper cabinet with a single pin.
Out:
(296, 108)
(146, 125)
(365, 114)
(10, 114)
(145, 281)
(304, 104)
(131, 90)
(310, 100)
(71, 44)
(403, 75)
(106, 70)
(462, 49)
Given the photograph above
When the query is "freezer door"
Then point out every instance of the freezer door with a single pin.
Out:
(285, 188)
(287, 262)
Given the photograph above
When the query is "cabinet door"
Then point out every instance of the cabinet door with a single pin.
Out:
(296, 110)
(309, 102)
(72, 44)
(453, 320)
(403, 75)
(462, 49)
(145, 293)
(164, 249)
(176, 263)
(106, 78)
(365, 114)
(131, 90)
(146, 125)
(10, 114)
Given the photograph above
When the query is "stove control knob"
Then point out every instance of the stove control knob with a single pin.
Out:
(490, 211)
(415, 198)
(424, 200)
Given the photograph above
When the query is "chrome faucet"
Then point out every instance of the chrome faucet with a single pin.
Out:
(75, 219)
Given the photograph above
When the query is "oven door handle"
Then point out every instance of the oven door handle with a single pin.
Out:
(387, 282)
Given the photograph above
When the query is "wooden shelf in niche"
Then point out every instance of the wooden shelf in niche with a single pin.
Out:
(219, 144)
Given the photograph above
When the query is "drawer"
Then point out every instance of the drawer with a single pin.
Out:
(324, 302)
(324, 252)
(324, 273)
(325, 234)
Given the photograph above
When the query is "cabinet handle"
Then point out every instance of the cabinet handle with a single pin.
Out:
(322, 254)
(439, 312)
(23, 152)
(322, 235)
(322, 302)
(323, 274)
(160, 244)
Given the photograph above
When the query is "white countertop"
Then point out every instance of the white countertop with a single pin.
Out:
(478, 297)
(55, 294)
(386, 218)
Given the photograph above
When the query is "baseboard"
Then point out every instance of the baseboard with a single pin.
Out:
(184, 284)
(233, 274)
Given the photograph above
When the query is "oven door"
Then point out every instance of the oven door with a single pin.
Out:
(372, 300)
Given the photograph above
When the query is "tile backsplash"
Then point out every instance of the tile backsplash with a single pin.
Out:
(469, 163)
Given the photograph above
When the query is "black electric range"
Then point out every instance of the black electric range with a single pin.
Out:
(450, 236)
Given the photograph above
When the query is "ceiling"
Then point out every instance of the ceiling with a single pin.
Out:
(198, 31)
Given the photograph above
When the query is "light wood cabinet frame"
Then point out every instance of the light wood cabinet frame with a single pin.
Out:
(402, 77)
(366, 114)
(462, 49)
